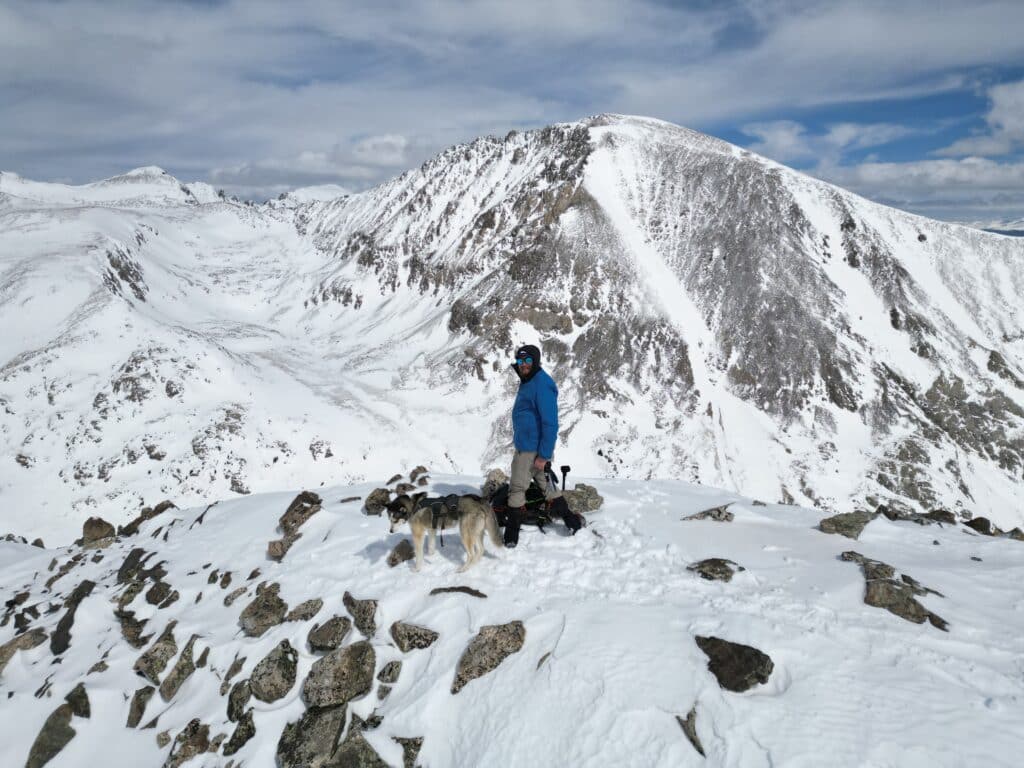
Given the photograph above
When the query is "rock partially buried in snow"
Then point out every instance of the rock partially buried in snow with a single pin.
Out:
(463, 590)
(492, 645)
(57, 732)
(138, 705)
(356, 751)
(848, 524)
(417, 472)
(363, 611)
(147, 513)
(329, 635)
(583, 498)
(737, 667)
(882, 590)
(412, 636)
(340, 676)
(689, 726)
(274, 675)
(25, 642)
(305, 611)
(244, 731)
(310, 742)
(410, 749)
(403, 552)
(239, 697)
(265, 611)
(719, 514)
(193, 740)
(183, 669)
(715, 569)
(95, 530)
(389, 672)
(151, 663)
(377, 500)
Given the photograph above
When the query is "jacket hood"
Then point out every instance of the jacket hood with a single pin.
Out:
(528, 350)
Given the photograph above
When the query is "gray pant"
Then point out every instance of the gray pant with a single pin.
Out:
(522, 473)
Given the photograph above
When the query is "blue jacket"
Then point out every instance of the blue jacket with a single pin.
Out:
(535, 415)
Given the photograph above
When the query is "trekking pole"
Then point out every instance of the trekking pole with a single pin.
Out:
(565, 471)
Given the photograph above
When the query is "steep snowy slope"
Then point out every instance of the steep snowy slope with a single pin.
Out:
(708, 314)
(187, 641)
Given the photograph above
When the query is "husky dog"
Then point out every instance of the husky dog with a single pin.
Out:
(428, 516)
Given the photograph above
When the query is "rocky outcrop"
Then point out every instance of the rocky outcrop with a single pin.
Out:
(265, 611)
(340, 676)
(492, 645)
(330, 634)
(848, 524)
(715, 569)
(883, 590)
(147, 513)
(718, 514)
(363, 612)
(737, 667)
(411, 636)
(274, 675)
(152, 663)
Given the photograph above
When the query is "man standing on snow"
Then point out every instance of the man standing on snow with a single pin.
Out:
(534, 430)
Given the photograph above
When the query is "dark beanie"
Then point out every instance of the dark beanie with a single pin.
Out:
(529, 350)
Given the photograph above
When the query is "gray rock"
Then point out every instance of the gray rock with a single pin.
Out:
(79, 701)
(983, 526)
(405, 488)
(239, 697)
(96, 529)
(138, 706)
(193, 740)
(233, 595)
(303, 507)
(689, 726)
(410, 636)
(329, 635)
(181, 672)
(410, 749)
(463, 590)
(883, 590)
(152, 663)
(417, 472)
(147, 513)
(583, 498)
(265, 611)
(389, 672)
(305, 611)
(377, 500)
(244, 731)
(402, 552)
(25, 642)
(363, 612)
(715, 569)
(61, 637)
(310, 742)
(131, 628)
(57, 732)
(274, 675)
(394, 479)
(718, 514)
(492, 645)
(356, 752)
(340, 676)
(848, 524)
(737, 667)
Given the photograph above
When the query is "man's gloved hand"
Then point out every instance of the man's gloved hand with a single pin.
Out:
(539, 463)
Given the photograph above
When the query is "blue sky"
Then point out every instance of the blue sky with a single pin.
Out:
(915, 104)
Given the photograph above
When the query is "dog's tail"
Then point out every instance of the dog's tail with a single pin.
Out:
(491, 523)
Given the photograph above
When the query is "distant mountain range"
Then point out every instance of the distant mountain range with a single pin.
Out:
(708, 314)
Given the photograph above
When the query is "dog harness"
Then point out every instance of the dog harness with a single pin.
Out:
(441, 509)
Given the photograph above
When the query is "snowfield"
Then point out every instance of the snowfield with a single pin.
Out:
(609, 659)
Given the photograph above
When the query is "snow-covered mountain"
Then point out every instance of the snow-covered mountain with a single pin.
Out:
(181, 643)
(708, 314)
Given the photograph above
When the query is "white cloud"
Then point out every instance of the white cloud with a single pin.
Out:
(788, 141)
(1005, 121)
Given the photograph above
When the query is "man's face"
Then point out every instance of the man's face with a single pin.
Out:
(525, 365)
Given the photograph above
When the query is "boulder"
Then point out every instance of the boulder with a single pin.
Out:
(715, 569)
(983, 526)
(265, 611)
(389, 672)
(303, 507)
(152, 663)
(848, 524)
(340, 676)
(244, 731)
(96, 529)
(24, 642)
(181, 672)
(138, 706)
(239, 697)
(883, 590)
(410, 636)
(403, 552)
(193, 740)
(363, 612)
(737, 667)
(377, 500)
(310, 742)
(306, 610)
(718, 514)
(492, 645)
(330, 634)
(274, 675)
(583, 498)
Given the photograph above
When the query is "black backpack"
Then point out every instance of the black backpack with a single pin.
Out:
(536, 506)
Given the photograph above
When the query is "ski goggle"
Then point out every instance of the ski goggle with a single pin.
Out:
(521, 360)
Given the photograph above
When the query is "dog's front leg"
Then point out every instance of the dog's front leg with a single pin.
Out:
(431, 542)
(417, 545)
